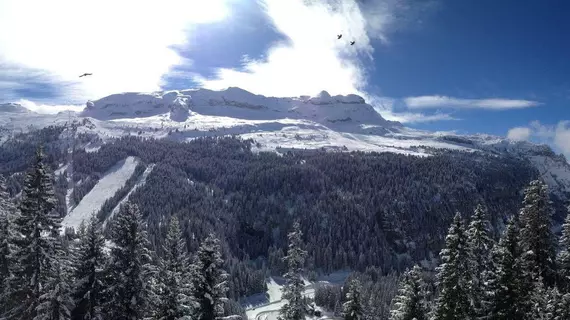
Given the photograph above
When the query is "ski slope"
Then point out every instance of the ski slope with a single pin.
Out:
(107, 186)
(140, 182)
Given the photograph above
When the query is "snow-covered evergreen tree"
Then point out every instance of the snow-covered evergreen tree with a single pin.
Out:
(130, 291)
(480, 245)
(563, 307)
(56, 302)
(89, 266)
(410, 302)
(7, 212)
(36, 242)
(173, 302)
(506, 282)
(453, 276)
(537, 239)
(209, 280)
(563, 257)
(295, 307)
(352, 307)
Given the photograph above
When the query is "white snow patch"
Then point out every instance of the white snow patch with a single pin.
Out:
(107, 186)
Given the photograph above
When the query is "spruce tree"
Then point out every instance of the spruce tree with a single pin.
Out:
(89, 266)
(7, 214)
(563, 257)
(173, 303)
(56, 302)
(352, 308)
(295, 307)
(480, 245)
(453, 300)
(209, 280)
(36, 241)
(537, 239)
(130, 292)
(507, 297)
(410, 303)
(563, 307)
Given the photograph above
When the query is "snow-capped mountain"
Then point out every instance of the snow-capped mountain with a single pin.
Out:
(277, 124)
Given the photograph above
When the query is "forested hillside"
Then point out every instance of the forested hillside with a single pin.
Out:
(167, 260)
(357, 210)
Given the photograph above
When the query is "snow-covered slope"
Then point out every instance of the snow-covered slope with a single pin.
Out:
(107, 186)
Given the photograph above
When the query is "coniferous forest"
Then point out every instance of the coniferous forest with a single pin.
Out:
(214, 220)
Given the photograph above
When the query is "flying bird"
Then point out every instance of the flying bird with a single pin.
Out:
(85, 74)
(339, 36)
(352, 42)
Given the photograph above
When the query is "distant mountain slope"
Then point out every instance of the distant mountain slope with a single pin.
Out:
(341, 123)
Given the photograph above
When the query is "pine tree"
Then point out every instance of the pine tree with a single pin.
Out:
(453, 301)
(295, 307)
(173, 303)
(480, 245)
(130, 291)
(543, 302)
(352, 308)
(89, 266)
(7, 214)
(537, 239)
(507, 297)
(563, 257)
(410, 303)
(56, 302)
(563, 307)
(36, 241)
(209, 280)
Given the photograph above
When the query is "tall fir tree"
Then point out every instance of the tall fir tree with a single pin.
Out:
(507, 296)
(537, 239)
(209, 280)
(295, 307)
(173, 303)
(410, 303)
(563, 258)
(7, 214)
(563, 307)
(56, 302)
(89, 264)
(453, 276)
(480, 245)
(36, 241)
(130, 292)
(352, 307)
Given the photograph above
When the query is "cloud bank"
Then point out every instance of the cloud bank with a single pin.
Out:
(426, 102)
(126, 44)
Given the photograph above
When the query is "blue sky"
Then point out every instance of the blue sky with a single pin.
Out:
(497, 67)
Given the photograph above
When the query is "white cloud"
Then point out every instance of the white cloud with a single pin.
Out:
(313, 59)
(562, 137)
(385, 106)
(49, 109)
(556, 135)
(519, 133)
(425, 102)
(126, 44)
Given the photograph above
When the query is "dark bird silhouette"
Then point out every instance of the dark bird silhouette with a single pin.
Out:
(85, 74)
(352, 42)
(339, 36)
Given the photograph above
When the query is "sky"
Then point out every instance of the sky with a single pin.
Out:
(486, 66)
